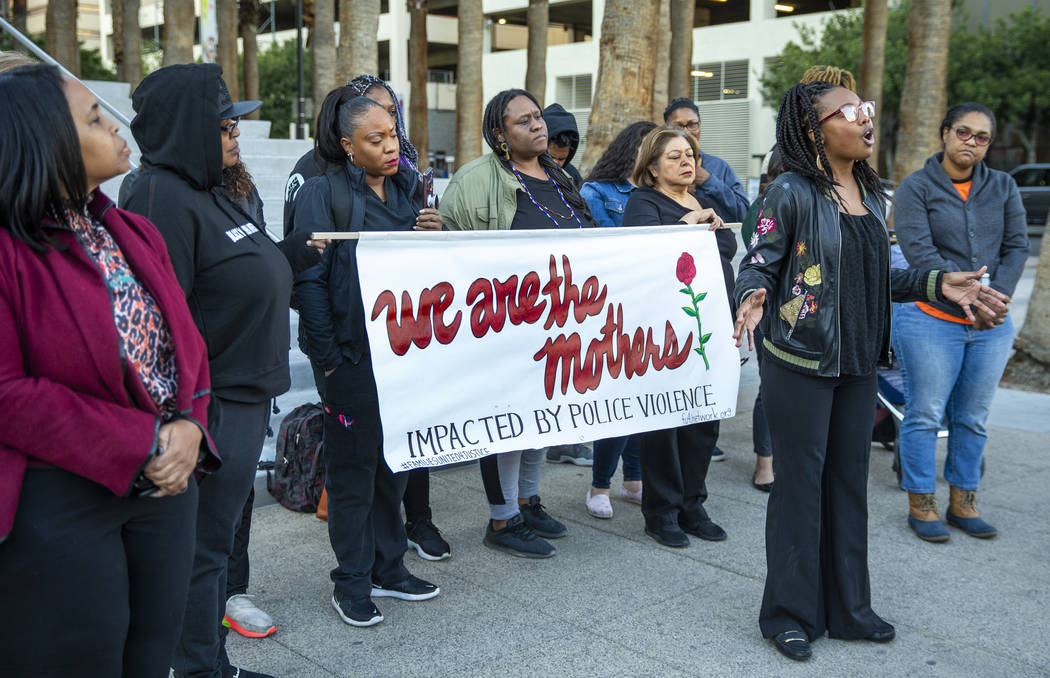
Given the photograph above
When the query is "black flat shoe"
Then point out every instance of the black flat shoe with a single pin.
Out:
(793, 645)
(667, 533)
(764, 487)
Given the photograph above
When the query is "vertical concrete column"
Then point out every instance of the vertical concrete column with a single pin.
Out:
(763, 9)
(399, 31)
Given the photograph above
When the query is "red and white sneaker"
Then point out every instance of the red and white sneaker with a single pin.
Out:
(243, 617)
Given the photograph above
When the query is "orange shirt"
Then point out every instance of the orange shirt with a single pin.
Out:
(964, 193)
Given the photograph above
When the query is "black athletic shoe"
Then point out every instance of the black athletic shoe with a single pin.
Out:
(666, 532)
(702, 527)
(517, 539)
(539, 521)
(412, 588)
(426, 539)
(358, 612)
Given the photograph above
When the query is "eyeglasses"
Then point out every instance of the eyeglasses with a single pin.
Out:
(230, 126)
(851, 111)
(965, 134)
(692, 125)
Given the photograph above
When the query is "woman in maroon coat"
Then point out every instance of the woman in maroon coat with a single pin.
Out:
(103, 385)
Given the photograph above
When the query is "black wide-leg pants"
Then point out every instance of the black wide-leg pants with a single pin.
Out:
(817, 517)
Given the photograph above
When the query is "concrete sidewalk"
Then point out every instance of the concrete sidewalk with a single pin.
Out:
(613, 602)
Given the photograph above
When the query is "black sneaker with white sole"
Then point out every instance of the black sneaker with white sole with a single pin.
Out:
(412, 588)
(426, 539)
(238, 672)
(518, 540)
(356, 612)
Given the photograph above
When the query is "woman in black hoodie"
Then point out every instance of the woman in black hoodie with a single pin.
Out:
(237, 283)
(364, 495)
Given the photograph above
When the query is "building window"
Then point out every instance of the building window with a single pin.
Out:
(720, 81)
(574, 93)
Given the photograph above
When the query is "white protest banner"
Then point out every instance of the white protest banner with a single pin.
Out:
(486, 342)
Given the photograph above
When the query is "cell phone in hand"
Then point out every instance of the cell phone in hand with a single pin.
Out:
(429, 199)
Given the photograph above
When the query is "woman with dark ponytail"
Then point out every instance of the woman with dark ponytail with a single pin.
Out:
(821, 261)
(361, 151)
(516, 186)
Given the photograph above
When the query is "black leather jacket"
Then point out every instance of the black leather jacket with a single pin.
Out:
(794, 255)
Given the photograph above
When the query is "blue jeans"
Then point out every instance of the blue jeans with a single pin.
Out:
(950, 372)
(607, 454)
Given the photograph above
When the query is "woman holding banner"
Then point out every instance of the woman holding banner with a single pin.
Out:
(516, 186)
(821, 260)
(675, 460)
(364, 495)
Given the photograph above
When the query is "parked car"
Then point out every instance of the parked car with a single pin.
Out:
(1033, 181)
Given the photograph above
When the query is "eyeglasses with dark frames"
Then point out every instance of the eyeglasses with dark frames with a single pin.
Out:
(230, 126)
(851, 111)
(692, 125)
(965, 134)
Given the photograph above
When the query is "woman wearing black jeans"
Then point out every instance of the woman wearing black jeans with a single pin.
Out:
(364, 495)
(821, 261)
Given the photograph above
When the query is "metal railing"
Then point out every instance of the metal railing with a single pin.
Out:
(46, 58)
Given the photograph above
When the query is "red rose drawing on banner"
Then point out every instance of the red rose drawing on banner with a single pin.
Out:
(686, 273)
(686, 268)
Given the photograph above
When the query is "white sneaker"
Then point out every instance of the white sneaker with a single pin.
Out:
(598, 505)
(243, 617)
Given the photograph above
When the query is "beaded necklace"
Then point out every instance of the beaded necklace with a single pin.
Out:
(549, 212)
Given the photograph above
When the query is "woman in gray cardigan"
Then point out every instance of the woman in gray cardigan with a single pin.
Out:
(955, 214)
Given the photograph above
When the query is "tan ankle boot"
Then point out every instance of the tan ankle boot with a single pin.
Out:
(922, 517)
(962, 513)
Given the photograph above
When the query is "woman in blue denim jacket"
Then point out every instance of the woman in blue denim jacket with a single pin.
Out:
(608, 188)
(606, 191)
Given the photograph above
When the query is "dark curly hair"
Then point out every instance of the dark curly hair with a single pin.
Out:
(680, 102)
(617, 162)
(797, 116)
(959, 110)
(492, 129)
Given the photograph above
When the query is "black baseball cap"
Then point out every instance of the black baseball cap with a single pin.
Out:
(228, 108)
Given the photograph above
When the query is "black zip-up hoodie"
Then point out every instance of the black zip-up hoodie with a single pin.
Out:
(237, 281)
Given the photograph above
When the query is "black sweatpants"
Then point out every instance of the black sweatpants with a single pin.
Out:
(93, 585)
(417, 496)
(817, 517)
(674, 471)
(364, 495)
(238, 572)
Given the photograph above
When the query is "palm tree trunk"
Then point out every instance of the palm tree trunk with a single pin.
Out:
(873, 59)
(249, 24)
(626, 70)
(226, 26)
(131, 38)
(18, 15)
(61, 34)
(682, 17)
(358, 47)
(1029, 367)
(418, 130)
(661, 72)
(322, 61)
(468, 81)
(536, 55)
(116, 8)
(177, 34)
(924, 95)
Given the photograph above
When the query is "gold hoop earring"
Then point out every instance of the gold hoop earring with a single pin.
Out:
(506, 150)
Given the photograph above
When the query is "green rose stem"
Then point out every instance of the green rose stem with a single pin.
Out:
(695, 299)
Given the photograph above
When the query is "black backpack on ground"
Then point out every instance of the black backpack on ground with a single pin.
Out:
(297, 478)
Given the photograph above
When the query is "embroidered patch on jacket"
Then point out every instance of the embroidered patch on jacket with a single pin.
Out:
(812, 275)
(767, 225)
(754, 239)
(346, 421)
(800, 248)
(242, 231)
(758, 258)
